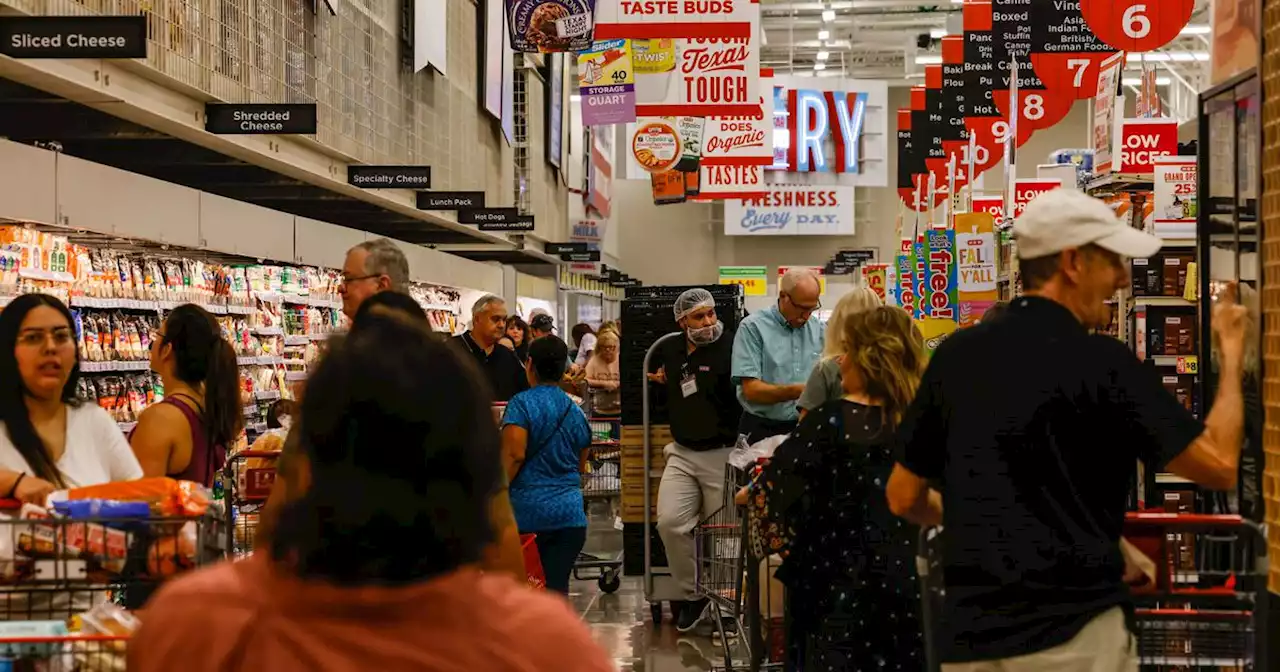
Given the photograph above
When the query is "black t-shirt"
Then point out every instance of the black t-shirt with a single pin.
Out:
(502, 367)
(707, 418)
(1033, 426)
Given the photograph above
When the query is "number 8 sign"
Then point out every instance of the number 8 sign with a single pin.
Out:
(1137, 25)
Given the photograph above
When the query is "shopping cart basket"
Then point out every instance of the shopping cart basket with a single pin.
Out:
(248, 479)
(70, 653)
(601, 489)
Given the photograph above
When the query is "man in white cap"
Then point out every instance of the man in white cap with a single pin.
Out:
(1031, 427)
(704, 415)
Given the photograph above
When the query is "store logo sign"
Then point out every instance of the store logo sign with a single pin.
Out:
(824, 131)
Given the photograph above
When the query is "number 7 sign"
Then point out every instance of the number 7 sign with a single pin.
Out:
(1137, 25)
(1074, 75)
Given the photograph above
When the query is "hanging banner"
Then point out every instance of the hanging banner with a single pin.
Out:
(792, 210)
(1175, 198)
(1065, 54)
(746, 140)
(822, 277)
(719, 182)
(923, 139)
(550, 25)
(955, 136)
(1142, 140)
(1137, 25)
(984, 121)
(936, 157)
(647, 19)
(1106, 121)
(754, 279)
(920, 257)
(976, 289)
(606, 83)
(906, 287)
(942, 274)
(876, 277)
(712, 77)
(1025, 190)
(1037, 107)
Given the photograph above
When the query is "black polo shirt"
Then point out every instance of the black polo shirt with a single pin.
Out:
(707, 418)
(505, 372)
(1033, 427)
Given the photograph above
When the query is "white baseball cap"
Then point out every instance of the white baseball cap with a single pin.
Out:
(1065, 218)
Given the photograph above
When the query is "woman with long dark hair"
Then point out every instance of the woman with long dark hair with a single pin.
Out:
(383, 518)
(186, 435)
(517, 337)
(50, 440)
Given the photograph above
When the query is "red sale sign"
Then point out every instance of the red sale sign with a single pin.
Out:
(648, 19)
(746, 140)
(1142, 140)
(1026, 190)
(1137, 25)
(712, 77)
(992, 205)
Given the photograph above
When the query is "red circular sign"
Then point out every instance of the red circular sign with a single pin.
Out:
(1038, 109)
(1070, 74)
(1137, 25)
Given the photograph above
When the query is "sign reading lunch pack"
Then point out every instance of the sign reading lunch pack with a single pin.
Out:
(389, 177)
(645, 19)
(450, 200)
(792, 211)
(73, 36)
(260, 118)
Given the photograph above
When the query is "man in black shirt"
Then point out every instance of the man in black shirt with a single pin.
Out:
(704, 413)
(501, 366)
(1032, 426)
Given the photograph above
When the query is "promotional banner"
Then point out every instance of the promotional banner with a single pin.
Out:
(1106, 121)
(550, 25)
(787, 210)
(920, 257)
(876, 277)
(606, 82)
(906, 286)
(1174, 193)
(1025, 190)
(754, 279)
(991, 205)
(719, 182)
(822, 278)
(591, 233)
(746, 140)
(942, 297)
(1037, 106)
(976, 273)
(955, 136)
(985, 122)
(906, 161)
(1142, 140)
(645, 19)
(709, 77)
(1137, 25)
(1065, 54)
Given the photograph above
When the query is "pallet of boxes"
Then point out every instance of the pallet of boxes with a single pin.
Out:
(633, 470)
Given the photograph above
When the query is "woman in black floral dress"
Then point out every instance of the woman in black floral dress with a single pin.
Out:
(853, 596)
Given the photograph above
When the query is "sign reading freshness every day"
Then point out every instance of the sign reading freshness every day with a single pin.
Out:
(793, 211)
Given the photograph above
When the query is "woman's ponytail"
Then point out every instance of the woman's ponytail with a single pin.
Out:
(224, 414)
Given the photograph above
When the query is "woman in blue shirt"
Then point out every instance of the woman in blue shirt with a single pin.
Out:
(543, 436)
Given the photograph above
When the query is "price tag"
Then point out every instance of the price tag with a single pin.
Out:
(1137, 25)
(750, 286)
(1188, 365)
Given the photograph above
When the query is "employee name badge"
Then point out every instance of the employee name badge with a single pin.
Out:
(689, 385)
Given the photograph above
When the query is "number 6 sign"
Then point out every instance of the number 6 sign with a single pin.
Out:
(1137, 25)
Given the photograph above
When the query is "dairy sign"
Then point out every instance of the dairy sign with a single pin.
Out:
(591, 233)
(792, 211)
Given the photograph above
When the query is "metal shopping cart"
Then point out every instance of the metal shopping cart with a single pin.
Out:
(601, 490)
(248, 478)
(1205, 607)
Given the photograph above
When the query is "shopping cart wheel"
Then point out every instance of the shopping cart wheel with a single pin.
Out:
(609, 582)
(655, 609)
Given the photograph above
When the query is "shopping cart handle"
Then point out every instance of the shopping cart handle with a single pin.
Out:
(1162, 519)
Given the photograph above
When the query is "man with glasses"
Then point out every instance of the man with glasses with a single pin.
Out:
(773, 354)
(502, 367)
(371, 267)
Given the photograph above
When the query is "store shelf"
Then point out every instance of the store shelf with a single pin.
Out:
(297, 340)
(266, 395)
(151, 305)
(265, 360)
(268, 331)
(106, 367)
(1168, 301)
(1164, 478)
(1121, 182)
(295, 376)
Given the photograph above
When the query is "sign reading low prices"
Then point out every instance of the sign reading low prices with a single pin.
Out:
(792, 211)
(754, 279)
(1143, 140)
(1025, 190)
(607, 83)
(991, 205)
(709, 77)
(643, 19)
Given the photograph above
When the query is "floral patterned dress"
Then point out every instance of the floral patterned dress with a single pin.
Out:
(853, 596)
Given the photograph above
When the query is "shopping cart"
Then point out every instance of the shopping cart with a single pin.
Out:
(601, 489)
(70, 653)
(248, 478)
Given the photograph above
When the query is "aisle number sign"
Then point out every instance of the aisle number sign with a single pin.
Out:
(822, 278)
(754, 279)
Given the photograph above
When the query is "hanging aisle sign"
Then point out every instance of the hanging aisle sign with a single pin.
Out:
(1037, 107)
(1106, 118)
(984, 121)
(607, 84)
(793, 211)
(937, 129)
(73, 36)
(712, 77)
(923, 139)
(1137, 25)
(550, 25)
(753, 279)
(1065, 54)
(1174, 190)
(955, 136)
(976, 289)
(907, 160)
(644, 19)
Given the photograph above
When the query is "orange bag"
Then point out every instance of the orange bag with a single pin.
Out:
(167, 497)
(533, 562)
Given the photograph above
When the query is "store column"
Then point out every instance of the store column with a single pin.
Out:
(1270, 256)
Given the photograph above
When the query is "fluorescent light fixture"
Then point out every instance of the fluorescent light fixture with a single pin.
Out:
(1137, 81)
(928, 59)
(1198, 29)
(1166, 56)
(828, 15)
(822, 55)
(575, 98)
(819, 66)
(938, 33)
(824, 34)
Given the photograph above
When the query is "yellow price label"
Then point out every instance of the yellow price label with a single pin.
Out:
(750, 286)
(1188, 365)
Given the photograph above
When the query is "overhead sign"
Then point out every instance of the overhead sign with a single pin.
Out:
(720, 182)
(643, 19)
(519, 223)
(1137, 25)
(260, 118)
(1065, 54)
(754, 279)
(1037, 107)
(854, 256)
(710, 77)
(73, 36)
(589, 233)
(745, 140)
(488, 216)
(955, 135)
(936, 126)
(588, 257)
(550, 25)
(1142, 140)
(389, 177)
(1107, 114)
(907, 168)
(793, 211)
(564, 248)
(985, 122)
(607, 83)
(816, 117)
(450, 200)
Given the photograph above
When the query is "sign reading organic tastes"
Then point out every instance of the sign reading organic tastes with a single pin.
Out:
(1176, 203)
(754, 279)
(746, 140)
(792, 211)
(550, 25)
(73, 36)
(1142, 140)
(643, 19)
(732, 182)
(606, 83)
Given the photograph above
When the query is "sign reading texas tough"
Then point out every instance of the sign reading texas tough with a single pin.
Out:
(647, 19)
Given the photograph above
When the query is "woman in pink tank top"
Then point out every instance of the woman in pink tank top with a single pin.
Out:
(186, 435)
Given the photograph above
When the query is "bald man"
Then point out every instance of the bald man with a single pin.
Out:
(774, 352)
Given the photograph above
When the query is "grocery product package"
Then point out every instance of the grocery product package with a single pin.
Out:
(166, 496)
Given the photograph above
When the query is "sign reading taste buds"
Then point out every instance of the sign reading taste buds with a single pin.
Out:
(1142, 140)
(792, 211)
(644, 19)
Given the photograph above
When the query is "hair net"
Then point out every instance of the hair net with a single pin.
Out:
(691, 300)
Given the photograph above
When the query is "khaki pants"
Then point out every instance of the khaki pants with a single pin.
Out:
(1104, 645)
(692, 489)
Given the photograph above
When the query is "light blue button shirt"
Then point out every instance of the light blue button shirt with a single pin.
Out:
(770, 350)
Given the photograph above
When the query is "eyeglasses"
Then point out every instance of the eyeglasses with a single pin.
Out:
(35, 338)
(346, 280)
(804, 309)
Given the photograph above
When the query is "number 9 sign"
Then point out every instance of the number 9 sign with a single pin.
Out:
(1137, 25)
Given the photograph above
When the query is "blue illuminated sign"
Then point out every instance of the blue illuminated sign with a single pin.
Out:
(809, 130)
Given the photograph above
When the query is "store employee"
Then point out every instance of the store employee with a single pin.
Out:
(774, 353)
(488, 323)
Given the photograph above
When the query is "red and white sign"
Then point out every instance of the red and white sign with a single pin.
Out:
(1106, 114)
(746, 140)
(713, 76)
(647, 19)
(717, 182)
(1142, 140)
(1026, 190)
(793, 210)
(1137, 25)
(992, 205)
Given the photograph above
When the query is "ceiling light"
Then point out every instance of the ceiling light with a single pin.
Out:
(928, 59)
(822, 55)
(1137, 81)
(824, 34)
(938, 33)
(828, 15)
(819, 66)
(575, 98)
(1201, 29)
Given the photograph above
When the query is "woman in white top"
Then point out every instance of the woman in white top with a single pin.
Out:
(50, 440)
